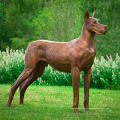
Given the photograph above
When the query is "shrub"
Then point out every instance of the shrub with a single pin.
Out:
(105, 73)
(11, 65)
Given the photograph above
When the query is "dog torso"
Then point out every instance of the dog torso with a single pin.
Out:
(64, 55)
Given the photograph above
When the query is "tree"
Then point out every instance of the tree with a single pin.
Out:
(3, 32)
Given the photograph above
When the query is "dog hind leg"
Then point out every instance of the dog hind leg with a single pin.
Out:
(40, 67)
(23, 76)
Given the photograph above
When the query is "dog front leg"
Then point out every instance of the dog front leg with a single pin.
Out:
(87, 77)
(75, 81)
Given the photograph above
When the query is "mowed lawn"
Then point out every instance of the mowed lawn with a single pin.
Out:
(54, 103)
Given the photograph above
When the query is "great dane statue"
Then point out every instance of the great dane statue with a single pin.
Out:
(70, 57)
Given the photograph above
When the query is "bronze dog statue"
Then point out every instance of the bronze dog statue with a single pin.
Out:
(74, 56)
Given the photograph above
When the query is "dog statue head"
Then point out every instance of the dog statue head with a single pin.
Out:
(93, 24)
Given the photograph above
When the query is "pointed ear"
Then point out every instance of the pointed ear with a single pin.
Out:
(94, 13)
(86, 16)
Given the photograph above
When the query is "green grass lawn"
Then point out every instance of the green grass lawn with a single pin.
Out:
(53, 102)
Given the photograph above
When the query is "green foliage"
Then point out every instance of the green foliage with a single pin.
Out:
(11, 65)
(105, 73)
(19, 16)
(18, 43)
(4, 42)
(57, 20)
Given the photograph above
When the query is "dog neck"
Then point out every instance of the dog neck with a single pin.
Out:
(87, 37)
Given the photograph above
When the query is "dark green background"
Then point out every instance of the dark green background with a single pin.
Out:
(23, 21)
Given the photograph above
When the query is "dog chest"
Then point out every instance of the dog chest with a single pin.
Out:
(88, 59)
